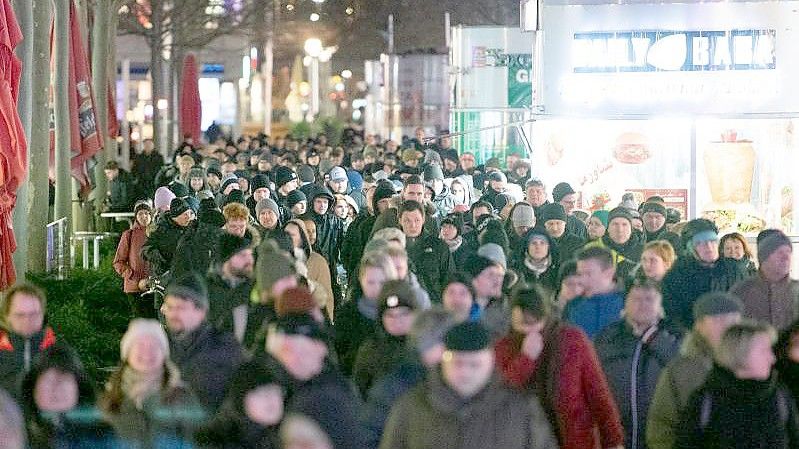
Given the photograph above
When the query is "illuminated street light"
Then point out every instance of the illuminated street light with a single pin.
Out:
(318, 1)
(350, 10)
(290, 7)
(346, 74)
(314, 17)
(313, 47)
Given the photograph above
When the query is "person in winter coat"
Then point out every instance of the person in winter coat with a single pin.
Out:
(465, 405)
(622, 238)
(462, 190)
(441, 199)
(653, 215)
(297, 357)
(656, 260)
(413, 190)
(740, 404)
(197, 248)
(329, 228)
(554, 219)
(564, 194)
(520, 221)
(260, 190)
(360, 231)
(286, 181)
(58, 401)
(197, 182)
(497, 185)
(735, 246)
(230, 284)
(714, 313)
(206, 356)
(425, 348)
(159, 250)
(129, 264)
(458, 298)
(633, 352)
(601, 302)
(771, 296)
(700, 271)
(557, 362)
(318, 270)
(452, 234)
(430, 257)
(382, 352)
(145, 166)
(251, 414)
(145, 399)
(537, 262)
(598, 225)
(121, 189)
(356, 321)
(23, 333)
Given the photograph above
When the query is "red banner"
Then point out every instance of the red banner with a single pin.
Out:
(85, 138)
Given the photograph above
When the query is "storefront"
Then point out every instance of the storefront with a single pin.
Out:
(491, 89)
(694, 101)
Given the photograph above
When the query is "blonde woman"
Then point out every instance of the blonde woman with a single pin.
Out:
(656, 260)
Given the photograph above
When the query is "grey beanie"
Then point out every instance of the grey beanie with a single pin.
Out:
(493, 252)
(266, 203)
(769, 241)
(523, 215)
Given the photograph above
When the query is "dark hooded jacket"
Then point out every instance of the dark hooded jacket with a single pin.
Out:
(376, 357)
(207, 358)
(549, 279)
(431, 260)
(329, 228)
(728, 412)
(159, 250)
(17, 354)
(352, 328)
(197, 248)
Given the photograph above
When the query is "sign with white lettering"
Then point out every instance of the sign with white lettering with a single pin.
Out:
(674, 51)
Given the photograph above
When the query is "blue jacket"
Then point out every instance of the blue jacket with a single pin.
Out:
(594, 313)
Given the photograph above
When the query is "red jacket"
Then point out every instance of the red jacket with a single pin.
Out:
(128, 261)
(583, 405)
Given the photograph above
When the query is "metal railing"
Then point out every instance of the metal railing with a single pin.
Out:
(57, 260)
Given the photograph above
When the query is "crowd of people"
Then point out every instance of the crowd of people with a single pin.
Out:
(293, 294)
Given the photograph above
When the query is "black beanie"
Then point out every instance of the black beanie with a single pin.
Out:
(259, 181)
(283, 175)
(553, 211)
(561, 190)
(620, 212)
(210, 214)
(468, 336)
(178, 188)
(190, 287)
(229, 245)
(177, 207)
(476, 265)
(653, 207)
(454, 220)
(236, 196)
(294, 197)
(384, 189)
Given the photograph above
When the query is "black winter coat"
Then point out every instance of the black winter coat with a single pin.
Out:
(329, 228)
(223, 299)
(431, 260)
(688, 280)
(17, 353)
(207, 359)
(621, 354)
(354, 242)
(631, 250)
(123, 193)
(196, 250)
(159, 250)
(568, 245)
(665, 234)
(352, 328)
(732, 413)
(328, 398)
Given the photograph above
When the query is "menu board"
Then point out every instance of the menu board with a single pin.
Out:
(672, 198)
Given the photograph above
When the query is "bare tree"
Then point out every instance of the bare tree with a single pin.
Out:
(173, 27)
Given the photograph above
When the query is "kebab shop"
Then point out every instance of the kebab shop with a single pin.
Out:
(694, 101)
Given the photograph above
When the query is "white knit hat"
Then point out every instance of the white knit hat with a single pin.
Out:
(141, 327)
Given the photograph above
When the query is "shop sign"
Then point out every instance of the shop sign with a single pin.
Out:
(672, 198)
(520, 67)
(674, 51)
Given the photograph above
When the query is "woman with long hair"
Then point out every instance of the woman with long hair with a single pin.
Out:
(318, 271)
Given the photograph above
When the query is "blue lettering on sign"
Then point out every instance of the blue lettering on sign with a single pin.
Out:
(674, 51)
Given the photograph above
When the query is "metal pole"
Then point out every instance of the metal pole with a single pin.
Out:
(63, 185)
(124, 125)
(38, 206)
(24, 13)
(99, 62)
(390, 33)
(446, 29)
(315, 86)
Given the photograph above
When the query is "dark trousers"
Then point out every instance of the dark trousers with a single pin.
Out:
(142, 306)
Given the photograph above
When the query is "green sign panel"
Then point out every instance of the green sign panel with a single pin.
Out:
(520, 86)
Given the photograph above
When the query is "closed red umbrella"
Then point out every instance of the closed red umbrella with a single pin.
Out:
(85, 138)
(13, 147)
(190, 108)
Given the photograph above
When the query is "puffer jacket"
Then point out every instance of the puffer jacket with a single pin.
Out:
(17, 353)
(632, 367)
(681, 377)
(128, 261)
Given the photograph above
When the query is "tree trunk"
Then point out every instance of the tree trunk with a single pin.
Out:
(24, 14)
(63, 184)
(101, 39)
(38, 205)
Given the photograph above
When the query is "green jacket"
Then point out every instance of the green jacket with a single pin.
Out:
(681, 377)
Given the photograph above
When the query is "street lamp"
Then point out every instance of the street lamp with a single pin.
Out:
(313, 48)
